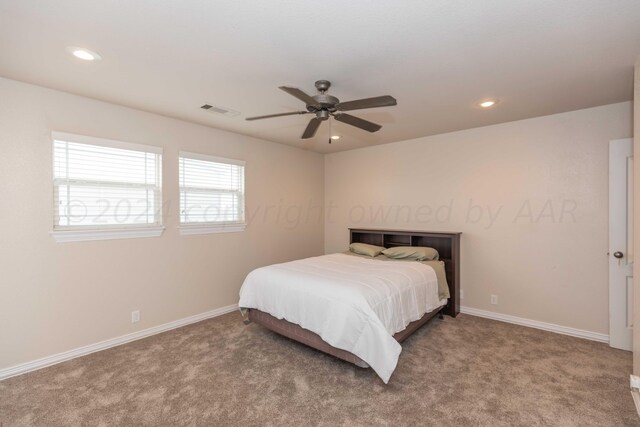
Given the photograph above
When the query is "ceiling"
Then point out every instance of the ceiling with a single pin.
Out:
(438, 58)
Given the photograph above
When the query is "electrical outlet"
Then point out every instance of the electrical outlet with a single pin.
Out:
(494, 299)
(461, 293)
(135, 316)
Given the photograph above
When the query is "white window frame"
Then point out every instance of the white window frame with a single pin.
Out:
(63, 234)
(187, 229)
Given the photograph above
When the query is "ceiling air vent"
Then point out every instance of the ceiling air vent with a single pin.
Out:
(220, 110)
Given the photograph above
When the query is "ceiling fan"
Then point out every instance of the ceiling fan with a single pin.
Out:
(324, 106)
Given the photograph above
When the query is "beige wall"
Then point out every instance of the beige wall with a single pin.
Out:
(531, 198)
(56, 297)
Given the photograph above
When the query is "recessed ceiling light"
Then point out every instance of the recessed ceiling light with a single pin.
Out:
(335, 137)
(487, 104)
(84, 54)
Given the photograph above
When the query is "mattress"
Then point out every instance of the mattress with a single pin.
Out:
(354, 304)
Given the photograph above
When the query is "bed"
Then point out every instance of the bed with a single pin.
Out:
(356, 308)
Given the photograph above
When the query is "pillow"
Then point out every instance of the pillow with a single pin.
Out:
(417, 253)
(365, 249)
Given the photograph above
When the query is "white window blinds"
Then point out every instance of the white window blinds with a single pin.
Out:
(211, 190)
(103, 184)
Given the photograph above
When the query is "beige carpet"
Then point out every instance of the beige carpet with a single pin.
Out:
(466, 371)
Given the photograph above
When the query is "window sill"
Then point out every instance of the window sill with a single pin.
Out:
(189, 230)
(64, 236)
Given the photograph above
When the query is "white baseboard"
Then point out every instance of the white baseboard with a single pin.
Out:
(564, 330)
(113, 342)
(635, 391)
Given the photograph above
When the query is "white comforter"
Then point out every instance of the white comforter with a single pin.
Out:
(353, 303)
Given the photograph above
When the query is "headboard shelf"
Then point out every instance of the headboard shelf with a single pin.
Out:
(396, 240)
(446, 243)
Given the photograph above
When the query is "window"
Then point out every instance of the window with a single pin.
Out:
(211, 194)
(105, 189)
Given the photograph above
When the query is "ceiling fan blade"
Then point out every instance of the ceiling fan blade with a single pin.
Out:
(357, 122)
(311, 129)
(307, 99)
(358, 104)
(276, 115)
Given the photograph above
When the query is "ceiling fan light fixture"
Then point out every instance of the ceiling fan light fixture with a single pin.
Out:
(324, 106)
(84, 54)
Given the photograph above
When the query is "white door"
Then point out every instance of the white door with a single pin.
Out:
(621, 243)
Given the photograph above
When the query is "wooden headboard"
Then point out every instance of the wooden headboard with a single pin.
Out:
(447, 245)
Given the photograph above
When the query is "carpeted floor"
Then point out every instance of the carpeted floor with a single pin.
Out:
(466, 371)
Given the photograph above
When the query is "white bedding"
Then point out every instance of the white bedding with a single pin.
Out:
(355, 304)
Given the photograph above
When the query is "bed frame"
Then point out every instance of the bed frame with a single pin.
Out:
(447, 245)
